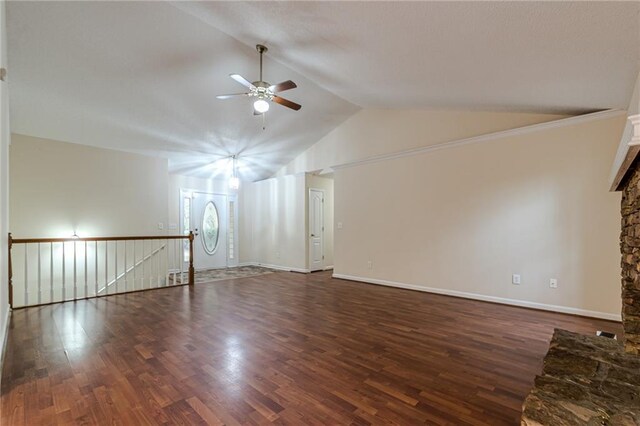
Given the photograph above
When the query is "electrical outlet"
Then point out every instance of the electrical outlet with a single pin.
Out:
(160, 225)
(339, 225)
(277, 255)
(369, 265)
(553, 283)
(515, 279)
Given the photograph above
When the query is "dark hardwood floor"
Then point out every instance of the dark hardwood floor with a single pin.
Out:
(282, 348)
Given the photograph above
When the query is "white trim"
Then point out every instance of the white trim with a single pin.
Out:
(3, 338)
(328, 268)
(635, 122)
(571, 121)
(484, 298)
(277, 267)
(283, 268)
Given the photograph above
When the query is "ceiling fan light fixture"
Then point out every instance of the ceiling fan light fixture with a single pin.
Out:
(261, 106)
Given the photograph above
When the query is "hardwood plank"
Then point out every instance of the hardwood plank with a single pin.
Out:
(282, 348)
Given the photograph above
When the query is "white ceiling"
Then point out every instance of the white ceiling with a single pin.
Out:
(557, 57)
(143, 77)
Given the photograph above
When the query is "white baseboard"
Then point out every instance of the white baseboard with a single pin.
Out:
(4, 329)
(328, 268)
(484, 298)
(276, 267)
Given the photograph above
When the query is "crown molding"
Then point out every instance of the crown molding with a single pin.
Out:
(564, 122)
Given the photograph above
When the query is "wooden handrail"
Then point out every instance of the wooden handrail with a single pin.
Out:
(12, 241)
(71, 239)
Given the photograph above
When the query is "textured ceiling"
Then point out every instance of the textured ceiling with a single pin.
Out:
(143, 77)
(557, 57)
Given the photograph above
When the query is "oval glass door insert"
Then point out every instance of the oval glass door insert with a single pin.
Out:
(210, 228)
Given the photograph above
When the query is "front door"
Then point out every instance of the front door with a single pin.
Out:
(209, 224)
(316, 229)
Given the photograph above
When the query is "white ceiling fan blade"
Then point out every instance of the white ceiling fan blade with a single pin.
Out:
(240, 79)
(233, 95)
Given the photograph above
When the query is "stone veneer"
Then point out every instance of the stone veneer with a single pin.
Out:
(630, 248)
(586, 380)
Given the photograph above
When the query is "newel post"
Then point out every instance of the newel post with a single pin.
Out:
(9, 245)
(191, 270)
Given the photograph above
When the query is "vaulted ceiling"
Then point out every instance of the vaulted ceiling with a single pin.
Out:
(142, 76)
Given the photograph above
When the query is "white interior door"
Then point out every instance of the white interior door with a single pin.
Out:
(316, 229)
(209, 224)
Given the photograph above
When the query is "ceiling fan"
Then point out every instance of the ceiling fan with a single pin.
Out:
(263, 92)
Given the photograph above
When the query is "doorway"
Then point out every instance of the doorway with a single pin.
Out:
(212, 219)
(316, 229)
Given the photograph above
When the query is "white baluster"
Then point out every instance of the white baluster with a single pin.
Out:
(106, 267)
(51, 272)
(39, 277)
(115, 257)
(64, 290)
(26, 277)
(75, 272)
(85, 271)
(96, 267)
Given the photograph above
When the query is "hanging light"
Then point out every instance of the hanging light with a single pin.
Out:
(261, 106)
(234, 181)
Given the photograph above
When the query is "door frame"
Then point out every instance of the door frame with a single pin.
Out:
(309, 251)
(188, 193)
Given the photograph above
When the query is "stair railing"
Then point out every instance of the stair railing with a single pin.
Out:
(64, 269)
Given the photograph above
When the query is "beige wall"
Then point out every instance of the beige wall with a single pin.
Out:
(4, 182)
(273, 232)
(325, 184)
(58, 188)
(463, 220)
(374, 132)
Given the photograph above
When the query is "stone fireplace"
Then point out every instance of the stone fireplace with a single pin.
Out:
(630, 248)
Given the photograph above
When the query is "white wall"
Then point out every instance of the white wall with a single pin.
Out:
(58, 188)
(4, 183)
(462, 220)
(325, 184)
(273, 233)
(375, 132)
